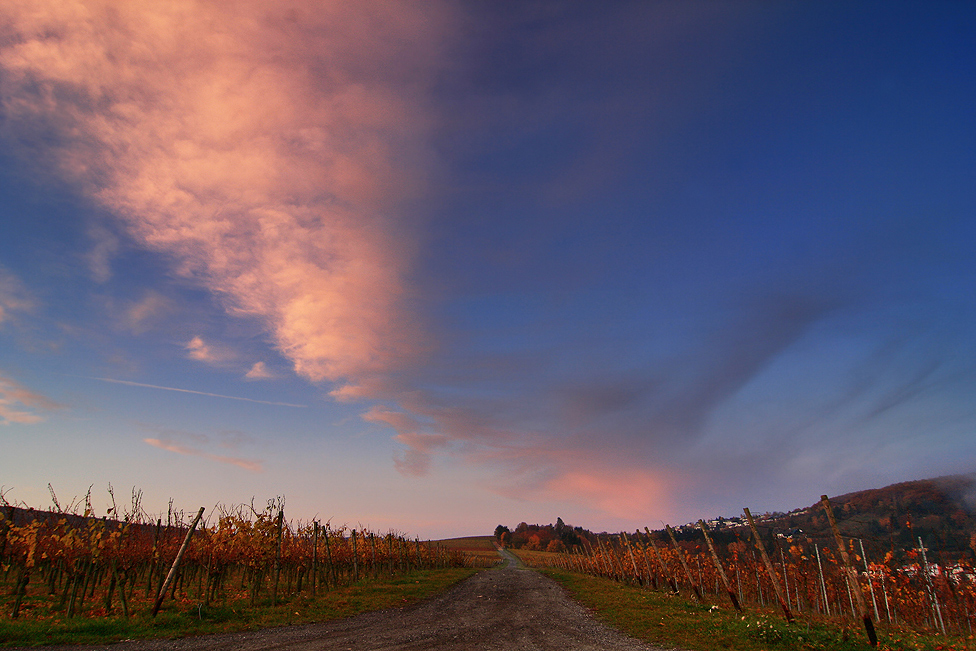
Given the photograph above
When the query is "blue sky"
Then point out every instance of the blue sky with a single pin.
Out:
(440, 266)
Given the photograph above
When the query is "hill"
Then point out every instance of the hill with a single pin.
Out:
(940, 511)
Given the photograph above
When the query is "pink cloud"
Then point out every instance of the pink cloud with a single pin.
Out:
(264, 147)
(412, 463)
(259, 372)
(268, 150)
(17, 403)
(142, 315)
(14, 297)
(364, 389)
(423, 442)
(415, 460)
(398, 420)
(105, 245)
(209, 354)
(626, 493)
(534, 465)
(606, 481)
(246, 464)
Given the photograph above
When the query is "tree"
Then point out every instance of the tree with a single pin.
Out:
(556, 545)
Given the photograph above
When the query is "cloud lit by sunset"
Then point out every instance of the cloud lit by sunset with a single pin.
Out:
(636, 262)
(212, 135)
(253, 466)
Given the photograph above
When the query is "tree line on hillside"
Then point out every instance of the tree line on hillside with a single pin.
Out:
(941, 511)
(559, 537)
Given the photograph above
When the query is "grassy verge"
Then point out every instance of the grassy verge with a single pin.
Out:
(180, 619)
(666, 620)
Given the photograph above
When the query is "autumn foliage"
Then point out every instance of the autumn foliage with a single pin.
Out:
(911, 587)
(75, 564)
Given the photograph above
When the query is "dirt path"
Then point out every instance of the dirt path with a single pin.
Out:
(505, 608)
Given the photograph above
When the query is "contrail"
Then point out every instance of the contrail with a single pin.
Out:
(199, 393)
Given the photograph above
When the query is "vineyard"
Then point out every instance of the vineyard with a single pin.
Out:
(789, 574)
(64, 566)
(68, 564)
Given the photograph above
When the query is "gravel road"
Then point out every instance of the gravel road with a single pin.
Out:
(509, 607)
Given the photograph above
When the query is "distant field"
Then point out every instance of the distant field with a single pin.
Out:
(479, 547)
(469, 544)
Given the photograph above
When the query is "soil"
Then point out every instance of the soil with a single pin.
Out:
(509, 607)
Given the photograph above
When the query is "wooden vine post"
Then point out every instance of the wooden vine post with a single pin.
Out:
(867, 573)
(23, 578)
(657, 555)
(850, 573)
(823, 584)
(933, 598)
(372, 545)
(590, 556)
(616, 564)
(328, 555)
(20, 587)
(633, 560)
(603, 557)
(279, 525)
(769, 568)
(315, 556)
(651, 578)
(684, 564)
(355, 558)
(719, 568)
(176, 564)
(155, 558)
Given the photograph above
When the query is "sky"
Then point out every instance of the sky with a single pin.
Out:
(437, 266)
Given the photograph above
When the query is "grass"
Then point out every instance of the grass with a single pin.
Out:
(39, 626)
(666, 620)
